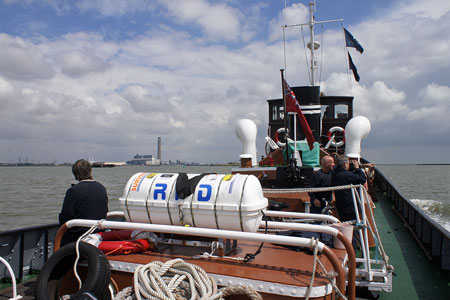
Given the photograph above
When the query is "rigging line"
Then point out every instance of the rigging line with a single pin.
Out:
(296, 69)
(284, 47)
(321, 56)
(349, 80)
(306, 56)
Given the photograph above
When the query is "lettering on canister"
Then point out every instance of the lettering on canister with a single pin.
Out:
(204, 192)
(137, 182)
(160, 188)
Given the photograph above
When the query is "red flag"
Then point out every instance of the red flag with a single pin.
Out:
(292, 105)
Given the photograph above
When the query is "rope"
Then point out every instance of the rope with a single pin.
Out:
(90, 230)
(315, 244)
(329, 275)
(125, 294)
(376, 234)
(214, 246)
(306, 56)
(309, 190)
(149, 282)
(176, 280)
(241, 290)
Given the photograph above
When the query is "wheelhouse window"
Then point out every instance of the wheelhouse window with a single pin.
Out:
(341, 111)
(277, 112)
(326, 111)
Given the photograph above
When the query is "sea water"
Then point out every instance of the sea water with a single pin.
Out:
(33, 195)
(427, 186)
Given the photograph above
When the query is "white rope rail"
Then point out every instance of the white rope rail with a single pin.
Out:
(330, 275)
(77, 250)
(310, 190)
(376, 234)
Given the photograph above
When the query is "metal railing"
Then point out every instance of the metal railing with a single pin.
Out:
(26, 249)
(433, 239)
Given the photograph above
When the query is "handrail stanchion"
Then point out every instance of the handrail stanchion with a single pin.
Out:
(365, 233)
(364, 245)
(13, 278)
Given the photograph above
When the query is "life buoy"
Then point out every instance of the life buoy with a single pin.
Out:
(275, 137)
(342, 141)
(120, 242)
(95, 283)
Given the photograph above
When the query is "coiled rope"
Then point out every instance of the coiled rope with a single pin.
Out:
(176, 279)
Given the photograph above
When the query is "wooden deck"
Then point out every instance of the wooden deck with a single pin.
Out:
(275, 264)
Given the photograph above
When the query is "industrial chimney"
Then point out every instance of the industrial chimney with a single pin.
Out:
(159, 149)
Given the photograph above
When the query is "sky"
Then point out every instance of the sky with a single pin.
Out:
(104, 79)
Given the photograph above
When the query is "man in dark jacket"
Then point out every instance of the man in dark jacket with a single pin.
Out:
(321, 178)
(85, 200)
(344, 175)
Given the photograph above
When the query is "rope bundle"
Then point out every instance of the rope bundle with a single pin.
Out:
(176, 280)
(151, 281)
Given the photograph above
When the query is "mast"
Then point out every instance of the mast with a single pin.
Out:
(312, 45)
(311, 42)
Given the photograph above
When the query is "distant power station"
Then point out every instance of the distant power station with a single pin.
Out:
(147, 159)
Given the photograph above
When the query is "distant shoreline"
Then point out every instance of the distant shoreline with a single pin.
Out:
(433, 164)
(69, 165)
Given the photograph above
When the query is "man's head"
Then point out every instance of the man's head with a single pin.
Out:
(327, 163)
(342, 162)
(82, 170)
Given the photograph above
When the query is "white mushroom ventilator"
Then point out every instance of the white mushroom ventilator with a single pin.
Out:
(355, 130)
(246, 131)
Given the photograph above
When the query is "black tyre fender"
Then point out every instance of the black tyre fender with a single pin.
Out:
(97, 279)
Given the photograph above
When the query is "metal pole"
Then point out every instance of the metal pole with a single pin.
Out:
(311, 28)
(283, 88)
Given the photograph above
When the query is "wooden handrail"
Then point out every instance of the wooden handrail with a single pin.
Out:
(351, 288)
(58, 237)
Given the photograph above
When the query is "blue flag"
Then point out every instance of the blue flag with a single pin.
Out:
(350, 41)
(353, 67)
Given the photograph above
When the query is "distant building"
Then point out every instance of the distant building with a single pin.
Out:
(144, 160)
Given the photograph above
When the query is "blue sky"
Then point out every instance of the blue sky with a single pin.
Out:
(104, 79)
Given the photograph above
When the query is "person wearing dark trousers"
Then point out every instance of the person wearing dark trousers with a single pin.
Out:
(85, 200)
(345, 174)
(321, 178)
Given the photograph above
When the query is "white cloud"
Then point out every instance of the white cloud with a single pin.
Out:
(147, 99)
(402, 48)
(436, 93)
(115, 7)
(378, 102)
(21, 59)
(297, 13)
(6, 88)
(434, 10)
(436, 106)
(79, 63)
(218, 21)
